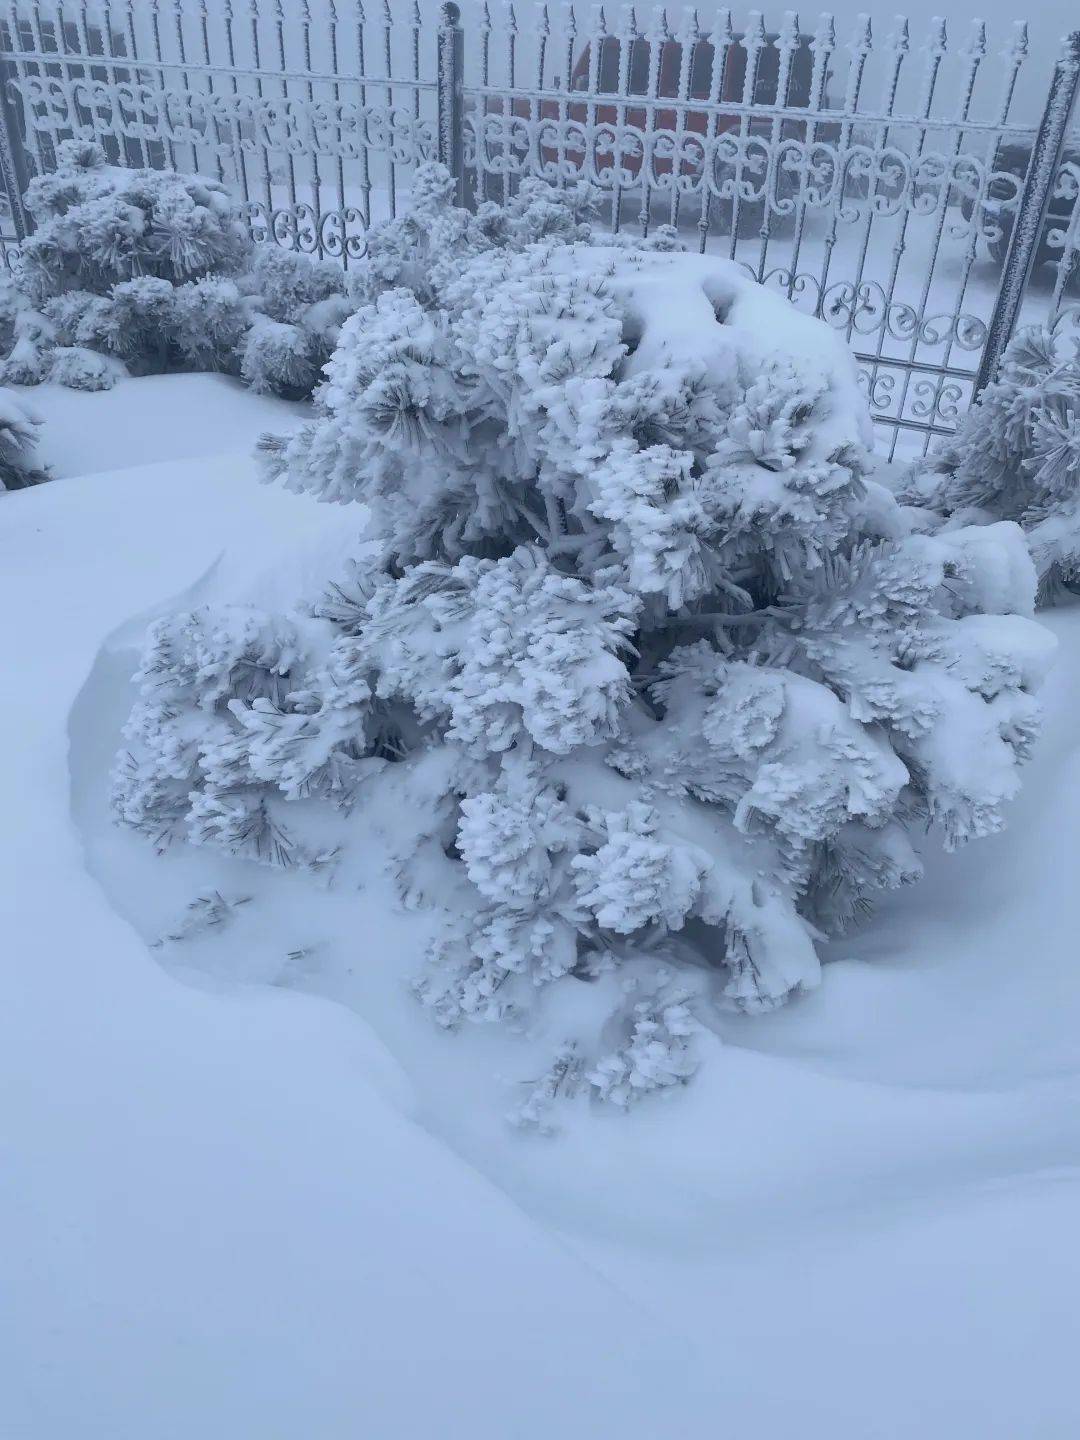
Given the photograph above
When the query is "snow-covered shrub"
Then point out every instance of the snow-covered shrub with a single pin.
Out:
(644, 676)
(19, 465)
(1016, 456)
(151, 271)
(97, 225)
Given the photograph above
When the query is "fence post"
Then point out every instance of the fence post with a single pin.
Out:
(1034, 203)
(450, 75)
(14, 170)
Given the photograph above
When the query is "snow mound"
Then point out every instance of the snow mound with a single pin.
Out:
(228, 1207)
(219, 1213)
(151, 419)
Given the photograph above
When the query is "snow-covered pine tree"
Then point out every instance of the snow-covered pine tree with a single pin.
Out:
(19, 426)
(658, 679)
(1016, 455)
(146, 271)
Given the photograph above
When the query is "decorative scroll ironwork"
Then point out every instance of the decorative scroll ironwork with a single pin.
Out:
(334, 233)
(854, 180)
(221, 123)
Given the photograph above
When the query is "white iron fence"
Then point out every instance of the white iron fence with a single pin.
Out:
(883, 183)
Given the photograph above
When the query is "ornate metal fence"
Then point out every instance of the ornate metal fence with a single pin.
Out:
(893, 185)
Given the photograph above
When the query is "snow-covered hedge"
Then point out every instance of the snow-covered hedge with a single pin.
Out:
(649, 682)
(144, 271)
(19, 426)
(1016, 455)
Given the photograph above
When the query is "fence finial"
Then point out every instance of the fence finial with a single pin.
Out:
(974, 47)
(861, 42)
(937, 40)
(825, 34)
(755, 37)
(690, 28)
(1016, 46)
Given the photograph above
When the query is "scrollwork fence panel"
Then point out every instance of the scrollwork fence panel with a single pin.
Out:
(878, 180)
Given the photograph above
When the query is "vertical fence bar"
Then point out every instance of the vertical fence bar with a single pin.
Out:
(451, 58)
(361, 70)
(13, 166)
(50, 71)
(510, 22)
(722, 44)
(1042, 171)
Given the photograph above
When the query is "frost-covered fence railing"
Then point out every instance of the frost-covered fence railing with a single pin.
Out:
(875, 178)
(883, 180)
(315, 117)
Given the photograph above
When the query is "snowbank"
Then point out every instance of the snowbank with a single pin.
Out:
(150, 419)
(237, 1210)
(218, 1217)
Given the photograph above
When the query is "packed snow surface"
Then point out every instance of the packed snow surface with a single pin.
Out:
(247, 1190)
(156, 417)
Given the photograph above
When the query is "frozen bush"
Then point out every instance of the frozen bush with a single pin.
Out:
(210, 319)
(156, 270)
(1016, 456)
(80, 368)
(648, 676)
(278, 359)
(19, 426)
(98, 224)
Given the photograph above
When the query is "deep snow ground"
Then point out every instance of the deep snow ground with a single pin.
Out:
(218, 1217)
(234, 1209)
(157, 417)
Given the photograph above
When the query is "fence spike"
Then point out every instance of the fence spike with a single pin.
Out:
(690, 27)
(1016, 46)
(862, 40)
(825, 34)
(974, 47)
(899, 39)
(788, 37)
(937, 41)
(755, 37)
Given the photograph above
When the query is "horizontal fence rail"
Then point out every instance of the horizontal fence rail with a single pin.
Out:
(884, 182)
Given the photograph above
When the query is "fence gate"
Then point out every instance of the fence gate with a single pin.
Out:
(884, 183)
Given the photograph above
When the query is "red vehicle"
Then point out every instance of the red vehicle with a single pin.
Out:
(617, 75)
